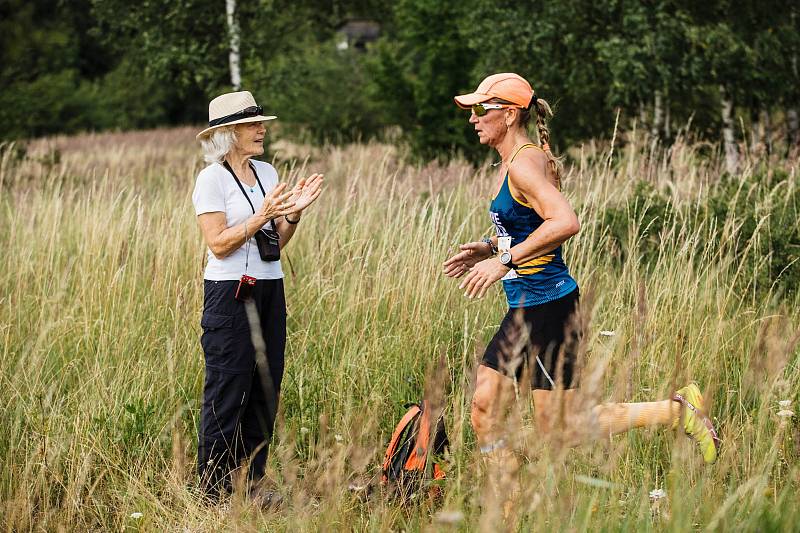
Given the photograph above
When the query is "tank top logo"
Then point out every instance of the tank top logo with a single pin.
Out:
(501, 231)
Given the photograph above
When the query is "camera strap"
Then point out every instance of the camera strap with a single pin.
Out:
(247, 248)
(241, 187)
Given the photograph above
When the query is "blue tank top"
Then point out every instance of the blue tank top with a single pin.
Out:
(540, 280)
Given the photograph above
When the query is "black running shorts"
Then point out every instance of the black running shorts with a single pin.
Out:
(540, 342)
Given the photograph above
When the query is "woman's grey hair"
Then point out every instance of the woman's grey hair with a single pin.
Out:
(218, 143)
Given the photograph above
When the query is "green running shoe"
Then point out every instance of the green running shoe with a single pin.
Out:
(696, 423)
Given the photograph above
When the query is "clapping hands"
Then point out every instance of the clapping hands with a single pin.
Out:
(305, 192)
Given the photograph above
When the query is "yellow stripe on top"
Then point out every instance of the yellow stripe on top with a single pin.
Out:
(529, 267)
(510, 189)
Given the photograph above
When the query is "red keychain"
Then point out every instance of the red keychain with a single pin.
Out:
(246, 283)
(245, 288)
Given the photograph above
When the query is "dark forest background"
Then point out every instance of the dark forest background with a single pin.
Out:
(726, 68)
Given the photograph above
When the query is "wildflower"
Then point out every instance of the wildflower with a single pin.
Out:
(607, 333)
(657, 494)
(137, 515)
(785, 404)
(304, 430)
(338, 438)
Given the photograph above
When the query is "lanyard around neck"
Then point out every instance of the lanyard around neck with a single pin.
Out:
(241, 188)
(239, 183)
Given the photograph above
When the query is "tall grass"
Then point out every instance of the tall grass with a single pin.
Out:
(101, 368)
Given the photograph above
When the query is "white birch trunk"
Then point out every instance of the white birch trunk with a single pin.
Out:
(667, 122)
(658, 114)
(233, 55)
(728, 139)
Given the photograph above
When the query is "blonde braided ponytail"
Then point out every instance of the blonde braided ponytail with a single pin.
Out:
(543, 112)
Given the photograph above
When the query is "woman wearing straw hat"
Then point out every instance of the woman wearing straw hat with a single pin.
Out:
(538, 337)
(246, 218)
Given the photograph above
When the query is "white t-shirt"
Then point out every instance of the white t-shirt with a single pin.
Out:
(216, 190)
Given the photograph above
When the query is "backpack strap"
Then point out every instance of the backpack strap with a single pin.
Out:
(398, 430)
(418, 458)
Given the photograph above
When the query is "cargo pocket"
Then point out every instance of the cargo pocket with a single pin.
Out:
(217, 337)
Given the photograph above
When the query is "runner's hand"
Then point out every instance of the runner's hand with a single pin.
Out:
(470, 254)
(481, 276)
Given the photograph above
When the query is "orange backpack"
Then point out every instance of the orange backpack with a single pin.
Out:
(409, 457)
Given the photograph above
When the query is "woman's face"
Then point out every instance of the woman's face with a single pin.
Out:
(250, 138)
(491, 127)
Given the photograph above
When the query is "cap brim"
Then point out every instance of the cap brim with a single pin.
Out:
(257, 118)
(465, 101)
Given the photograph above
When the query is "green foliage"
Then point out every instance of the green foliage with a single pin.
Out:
(769, 211)
(138, 427)
(766, 236)
(164, 60)
(183, 42)
(320, 90)
(635, 228)
(419, 68)
(104, 386)
(62, 102)
(554, 45)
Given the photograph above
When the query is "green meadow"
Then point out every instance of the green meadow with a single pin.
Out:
(690, 274)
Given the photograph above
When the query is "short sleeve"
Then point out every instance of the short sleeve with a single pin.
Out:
(208, 195)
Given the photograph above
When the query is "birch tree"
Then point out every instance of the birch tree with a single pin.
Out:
(728, 137)
(234, 35)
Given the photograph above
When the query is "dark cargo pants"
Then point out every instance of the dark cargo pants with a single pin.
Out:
(240, 398)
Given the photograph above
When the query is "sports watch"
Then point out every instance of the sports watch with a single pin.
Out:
(505, 259)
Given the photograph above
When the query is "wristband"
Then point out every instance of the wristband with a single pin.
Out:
(286, 217)
(490, 242)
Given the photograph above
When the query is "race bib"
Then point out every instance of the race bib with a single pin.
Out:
(504, 245)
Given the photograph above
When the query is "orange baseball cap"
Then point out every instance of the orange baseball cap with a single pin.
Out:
(507, 85)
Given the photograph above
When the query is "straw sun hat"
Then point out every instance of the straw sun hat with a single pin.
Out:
(233, 108)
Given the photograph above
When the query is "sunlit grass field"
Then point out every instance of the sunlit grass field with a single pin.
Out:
(101, 368)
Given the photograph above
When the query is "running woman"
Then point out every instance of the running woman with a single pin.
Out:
(538, 337)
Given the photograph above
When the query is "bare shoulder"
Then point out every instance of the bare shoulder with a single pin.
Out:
(530, 165)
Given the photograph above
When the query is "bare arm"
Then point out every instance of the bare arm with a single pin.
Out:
(285, 230)
(223, 240)
(527, 176)
(303, 194)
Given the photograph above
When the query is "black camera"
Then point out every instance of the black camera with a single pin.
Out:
(268, 242)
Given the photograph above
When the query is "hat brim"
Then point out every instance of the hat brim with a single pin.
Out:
(465, 101)
(257, 118)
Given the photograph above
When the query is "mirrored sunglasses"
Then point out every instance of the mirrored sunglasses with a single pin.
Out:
(483, 108)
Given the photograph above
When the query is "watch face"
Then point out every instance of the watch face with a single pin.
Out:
(505, 258)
